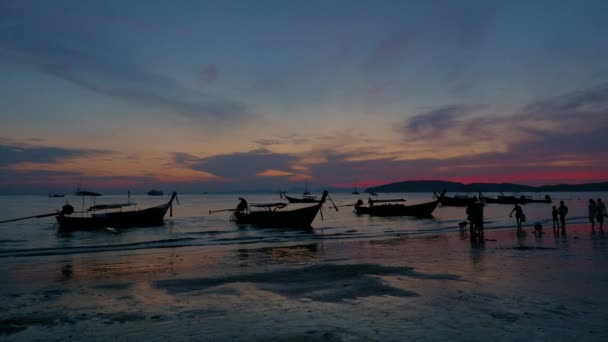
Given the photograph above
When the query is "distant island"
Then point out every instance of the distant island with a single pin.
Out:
(433, 185)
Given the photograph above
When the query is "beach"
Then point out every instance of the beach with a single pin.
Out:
(410, 287)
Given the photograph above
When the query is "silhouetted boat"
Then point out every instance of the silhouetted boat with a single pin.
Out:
(355, 191)
(56, 195)
(153, 216)
(155, 193)
(457, 201)
(395, 209)
(305, 199)
(270, 217)
(502, 199)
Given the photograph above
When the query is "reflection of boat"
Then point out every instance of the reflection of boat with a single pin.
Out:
(305, 199)
(56, 195)
(119, 219)
(395, 209)
(457, 200)
(155, 193)
(269, 216)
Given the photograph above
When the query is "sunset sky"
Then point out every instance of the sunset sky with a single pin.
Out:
(255, 95)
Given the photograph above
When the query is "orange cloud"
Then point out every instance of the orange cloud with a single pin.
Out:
(274, 173)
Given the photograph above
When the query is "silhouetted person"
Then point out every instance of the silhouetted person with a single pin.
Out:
(519, 216)
(475, 217)
(562, 210)
(554, 213)
(592, 212)
(242, 206)
(600, 213)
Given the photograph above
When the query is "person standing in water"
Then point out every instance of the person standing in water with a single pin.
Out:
(519, 216)
(592, 212)
(562, 210)
(554, 213)
(600, 213)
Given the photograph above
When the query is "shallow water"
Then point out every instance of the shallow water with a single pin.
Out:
(348, 277)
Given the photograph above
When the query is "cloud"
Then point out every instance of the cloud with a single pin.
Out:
(436, 122)
(50, 44)
(240, 165)
(14, 153)
(207, 76)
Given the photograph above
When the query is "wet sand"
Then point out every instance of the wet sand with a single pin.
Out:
(425, 287)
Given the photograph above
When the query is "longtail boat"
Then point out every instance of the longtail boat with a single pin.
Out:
(270, 217)
(395, 209)
(502, 199)
(305, 199)
(457, 200)
(148, 217)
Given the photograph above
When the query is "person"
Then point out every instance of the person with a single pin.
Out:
(600, 213)
(554, 213)
(475, 217)
(562, 210)
(592, 212)
(519, 216)
(242, 206)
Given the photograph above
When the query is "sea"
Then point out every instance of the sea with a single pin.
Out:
(202, 277)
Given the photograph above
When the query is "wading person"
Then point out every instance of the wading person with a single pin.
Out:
(519, 216)
(554, 213)
(592, 208)
(562, 210)
(600, 213)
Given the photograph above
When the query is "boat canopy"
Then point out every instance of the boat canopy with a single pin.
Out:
(269, 205)
(371, 201)
(110, 206)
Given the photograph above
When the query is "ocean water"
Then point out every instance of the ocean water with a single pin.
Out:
(192, 225)
(349, 278)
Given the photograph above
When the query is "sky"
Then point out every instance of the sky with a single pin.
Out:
(265, 95)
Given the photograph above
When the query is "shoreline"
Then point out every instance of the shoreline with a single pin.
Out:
(420, 287)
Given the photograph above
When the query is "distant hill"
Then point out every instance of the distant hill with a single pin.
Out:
(433, 185)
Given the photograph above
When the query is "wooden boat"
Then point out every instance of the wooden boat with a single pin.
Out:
(502, 199)
(457, 201)
(547, 199)
(270, 217)
(155, 193)
(305, 199)
(153, 216)
(396, 209)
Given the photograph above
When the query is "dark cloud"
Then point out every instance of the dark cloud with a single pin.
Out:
(436, 122)
(21, 153)
(238, 166)
(50, 44)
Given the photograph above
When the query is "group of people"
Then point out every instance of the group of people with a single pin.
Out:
(558, 213)
(597, 212)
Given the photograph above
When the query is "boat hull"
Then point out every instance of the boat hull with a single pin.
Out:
(298, 218)
(417, 210)
(149, 217)
(300, 200)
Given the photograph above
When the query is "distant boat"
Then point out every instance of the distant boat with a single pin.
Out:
(153, 216)
(457, 200)
(391, 208)
(355, 191)
(304, 199)
(56, 195)
(306, 192)
(502, 199)
(270, 217)
(155, 193)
